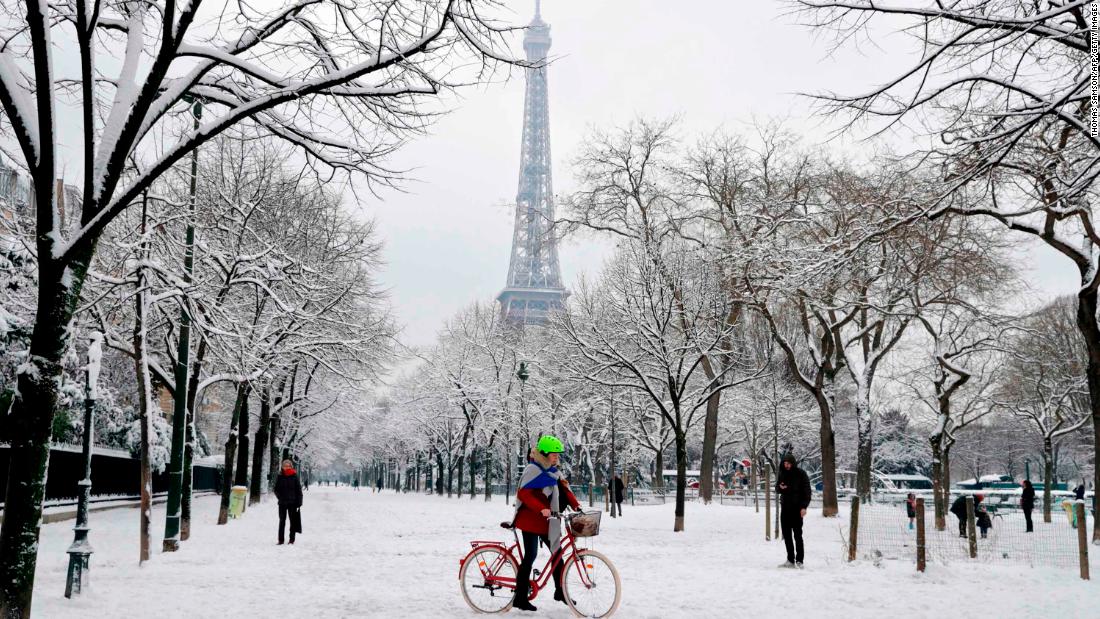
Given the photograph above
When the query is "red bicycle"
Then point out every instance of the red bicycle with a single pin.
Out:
(590, 582)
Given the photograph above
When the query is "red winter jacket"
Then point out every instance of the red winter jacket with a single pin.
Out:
(529, 518)
(532, 502)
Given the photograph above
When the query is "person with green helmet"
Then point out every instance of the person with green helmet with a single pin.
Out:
(541, 490)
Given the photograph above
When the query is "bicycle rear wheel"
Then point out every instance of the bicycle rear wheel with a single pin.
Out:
(476, 578)
(592, 585)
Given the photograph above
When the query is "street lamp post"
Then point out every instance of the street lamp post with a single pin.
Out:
(522, 374)
(81, 548)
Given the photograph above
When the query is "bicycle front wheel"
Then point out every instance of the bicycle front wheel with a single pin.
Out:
(592, 585)
(478, 579)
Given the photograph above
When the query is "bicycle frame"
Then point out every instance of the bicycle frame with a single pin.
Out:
(567, 549)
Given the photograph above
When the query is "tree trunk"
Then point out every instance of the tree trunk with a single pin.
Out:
(681, 480)
(945, 483)
(507, 477)
(145, 392)
(461, 473)
(1048, 476)
(829, 505)
(273, 460)
(259, 450)
(231, 452)
(710, 440)
(864, 454)
(487, 472)
(450, 475)
(241, 472)
(144, 423)
(939, 495)
(659, 476)
(473, 469)
(439, 477)
(755, 482)
(1090, 331)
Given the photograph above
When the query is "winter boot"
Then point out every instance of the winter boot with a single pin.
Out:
(523, 605)
(800, 566)
(559, 596)
(787, 564)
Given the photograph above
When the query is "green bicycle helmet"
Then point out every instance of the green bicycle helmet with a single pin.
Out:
(550, 445)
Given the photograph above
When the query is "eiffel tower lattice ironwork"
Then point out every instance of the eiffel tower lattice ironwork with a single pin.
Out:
(534, 287)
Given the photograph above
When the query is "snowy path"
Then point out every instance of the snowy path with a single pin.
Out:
(388, 555)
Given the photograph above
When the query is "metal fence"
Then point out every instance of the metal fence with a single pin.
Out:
(883, 533)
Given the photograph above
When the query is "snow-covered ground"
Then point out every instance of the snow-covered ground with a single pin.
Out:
(387, 555)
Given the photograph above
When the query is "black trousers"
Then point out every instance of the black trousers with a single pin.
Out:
(790, 520)
(530, 552)
(962, 526)
(1027, 519)
(295, 521)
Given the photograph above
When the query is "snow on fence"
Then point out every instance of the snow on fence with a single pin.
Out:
(882, 533)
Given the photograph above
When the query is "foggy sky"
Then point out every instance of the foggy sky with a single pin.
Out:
(711, 63)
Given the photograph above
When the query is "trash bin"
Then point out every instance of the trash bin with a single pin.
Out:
(237, 498)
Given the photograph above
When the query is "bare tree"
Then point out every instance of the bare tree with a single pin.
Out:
(345, 93)
(1044, 382)
(1005, 85)
(636, 332)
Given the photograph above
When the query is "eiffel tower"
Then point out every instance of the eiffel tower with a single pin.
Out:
(534, 287)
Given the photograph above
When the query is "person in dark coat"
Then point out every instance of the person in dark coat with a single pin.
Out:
(983, 520)
(288, 490)
(793, 487)
(541, 485)
(1079, 492)
(959, 509)
(617, 488)
(1027, 503)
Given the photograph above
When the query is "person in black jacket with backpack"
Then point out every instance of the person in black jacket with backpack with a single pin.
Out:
(793, 487)
(288, 490)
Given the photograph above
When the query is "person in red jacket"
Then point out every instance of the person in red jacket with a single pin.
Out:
(540, 487)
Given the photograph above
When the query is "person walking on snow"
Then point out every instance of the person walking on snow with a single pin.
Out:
(911, 508)
(540, 486)
(1027, 503)
(288, 490)
(617, 496)
(793, 487)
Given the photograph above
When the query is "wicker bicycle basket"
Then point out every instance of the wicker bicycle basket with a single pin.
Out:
(586, 524)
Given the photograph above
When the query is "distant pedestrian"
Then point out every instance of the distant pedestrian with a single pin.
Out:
(1027, 503)
(379, 483)
(288, 490)
(1079, 492)
(983, 520)
(355, 483)
(617, 487)
(959, 509)
(793, 487)
(911, 509)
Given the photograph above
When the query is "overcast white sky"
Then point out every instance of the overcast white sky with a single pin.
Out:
(711, 62)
